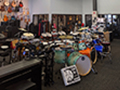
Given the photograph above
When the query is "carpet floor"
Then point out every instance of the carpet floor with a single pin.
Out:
(108, 77)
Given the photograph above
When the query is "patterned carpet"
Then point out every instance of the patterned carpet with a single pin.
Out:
(108, 77)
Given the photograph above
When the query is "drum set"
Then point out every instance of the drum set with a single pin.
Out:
(79, 48)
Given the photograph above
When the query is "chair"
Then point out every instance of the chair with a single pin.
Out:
(106, 51)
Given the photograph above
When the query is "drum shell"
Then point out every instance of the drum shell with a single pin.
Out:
(72, 59)
(59, 56)
(75, 58)
(89, 52)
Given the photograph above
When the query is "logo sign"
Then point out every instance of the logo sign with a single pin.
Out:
(70, 75)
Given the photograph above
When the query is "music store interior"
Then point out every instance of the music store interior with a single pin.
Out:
(59, 45)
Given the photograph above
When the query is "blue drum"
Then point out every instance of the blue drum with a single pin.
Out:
(99, 48)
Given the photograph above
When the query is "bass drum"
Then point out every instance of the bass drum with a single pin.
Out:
(82, 62)
(91, 53)
(59, 56)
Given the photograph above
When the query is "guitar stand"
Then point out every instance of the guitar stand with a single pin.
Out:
(94, 70)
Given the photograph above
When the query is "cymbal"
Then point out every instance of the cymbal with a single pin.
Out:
(83, 28)
(22, 29)
(66, 37)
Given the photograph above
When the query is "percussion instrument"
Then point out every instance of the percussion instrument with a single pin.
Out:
(59, 56)
(82, 62)
(13, 43)
(83, 28)
(60, 33)
(27, 36)
(22, 29)
(4, 47)
(99, 48)
(82, 35)
(91, 53)
(44, 35)
(62, 37)
(81, 45)
(63, 33)
(95, 36)
(34, 40)
(75, 33)
(45, 43)
(87, 35)
(48, 35)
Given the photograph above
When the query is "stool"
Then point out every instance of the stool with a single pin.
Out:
(106, 51)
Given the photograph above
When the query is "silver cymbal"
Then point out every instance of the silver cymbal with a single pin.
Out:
(22, 29)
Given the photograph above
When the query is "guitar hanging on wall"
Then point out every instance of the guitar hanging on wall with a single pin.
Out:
(6, 3)
(21, 4)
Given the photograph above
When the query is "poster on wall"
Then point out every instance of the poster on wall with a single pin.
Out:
(94, 17)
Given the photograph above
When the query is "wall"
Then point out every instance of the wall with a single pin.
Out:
(55, 7)
(66, 6)
(108, 6)
(87, 8)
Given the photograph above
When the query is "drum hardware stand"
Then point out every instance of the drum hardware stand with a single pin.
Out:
(94, 70)
(48, 68)
(106, 54)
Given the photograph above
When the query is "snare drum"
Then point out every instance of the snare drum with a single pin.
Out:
(82, 62)
(59, 56)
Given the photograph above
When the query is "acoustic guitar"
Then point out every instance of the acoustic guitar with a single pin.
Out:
(9, 9)
(13, 4)
(5, 18)
(21, 4)
(17, 7)
(28, 11)
(6, 3)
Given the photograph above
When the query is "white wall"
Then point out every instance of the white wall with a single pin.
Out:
(108, 6)
(55, 7)
(87, 6)
(104, 6)
(66, 6)
(40, 6)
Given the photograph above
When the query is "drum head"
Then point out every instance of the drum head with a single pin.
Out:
(84, 65)
(48, 34)
(4, 47)
(44, 34)
(93, 55)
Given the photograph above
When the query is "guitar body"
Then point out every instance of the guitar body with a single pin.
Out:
(10, 9)
(13, 4)
(6, 3)
(5, 18)
(20, 4)
(2, 8)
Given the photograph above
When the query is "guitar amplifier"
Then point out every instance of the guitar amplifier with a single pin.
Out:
(70, 75)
